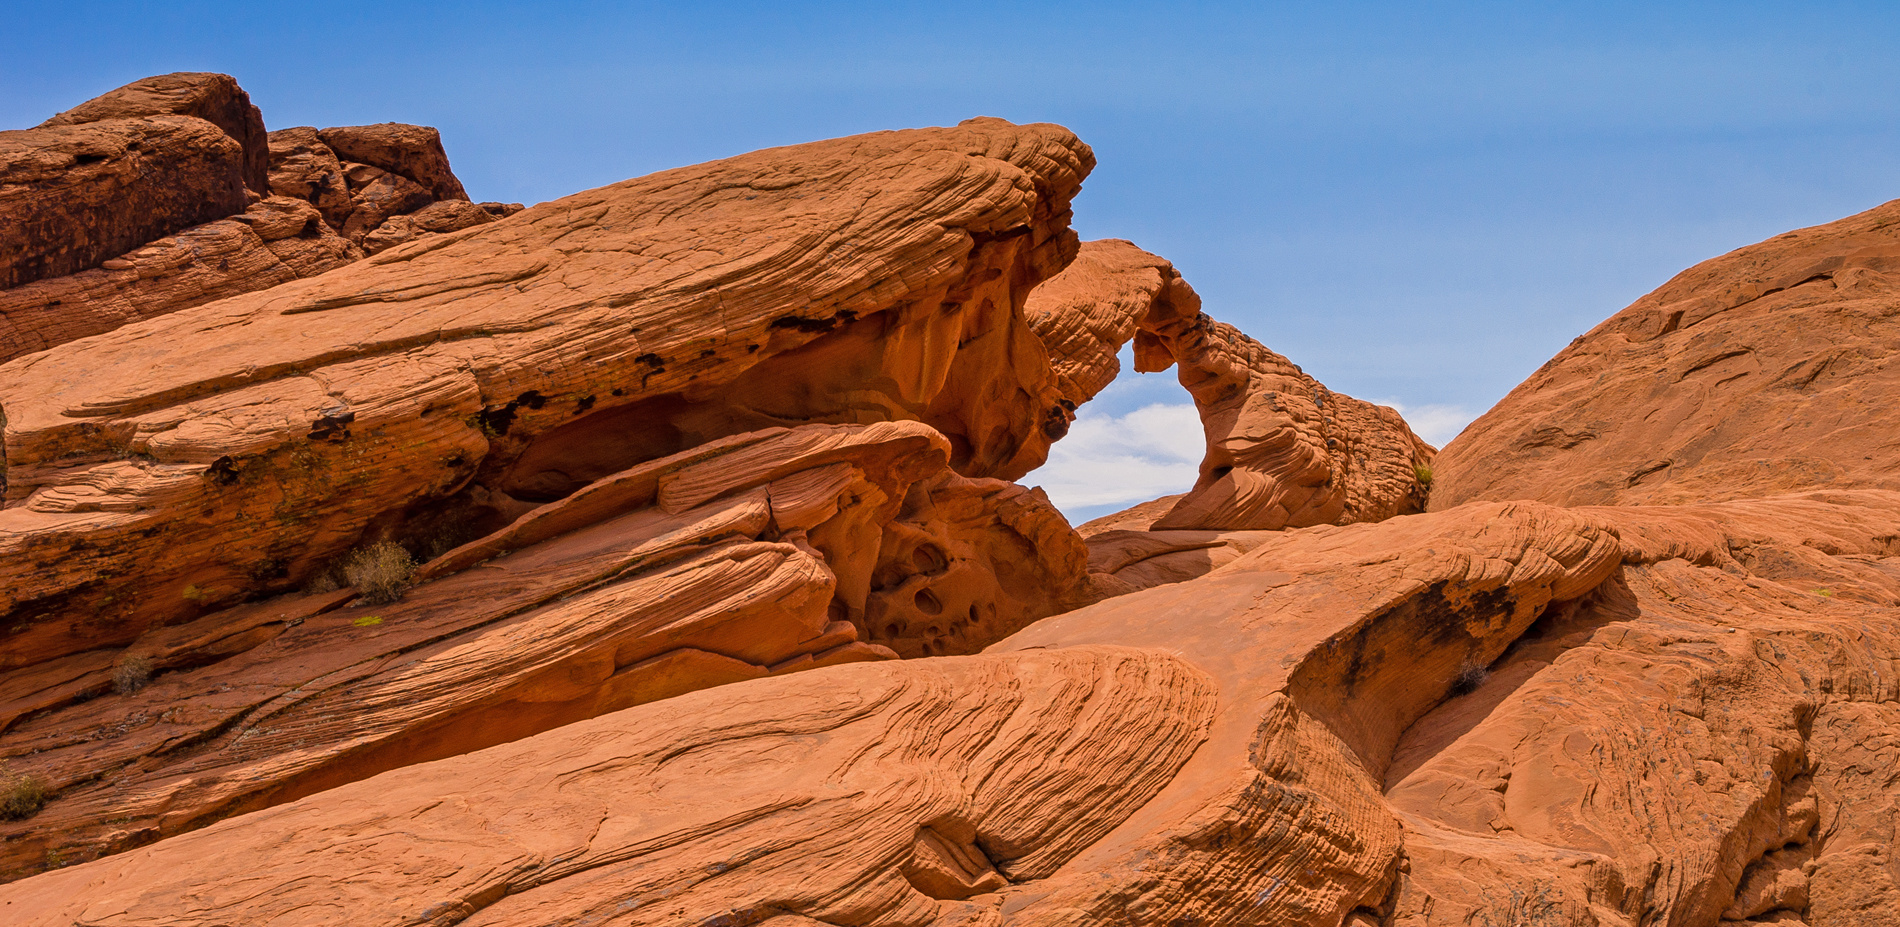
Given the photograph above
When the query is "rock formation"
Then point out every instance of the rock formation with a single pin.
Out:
(758, 555)
(652, 557)
(1282, 450)
(1348, 724)
(1765, 370)
(144, 201)
(872, 278)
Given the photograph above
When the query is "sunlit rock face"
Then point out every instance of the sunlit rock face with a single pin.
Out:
(654, 556)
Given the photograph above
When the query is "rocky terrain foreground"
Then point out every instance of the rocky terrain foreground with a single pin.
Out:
(657, 555)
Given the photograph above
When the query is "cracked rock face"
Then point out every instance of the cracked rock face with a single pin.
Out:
(1769, 369)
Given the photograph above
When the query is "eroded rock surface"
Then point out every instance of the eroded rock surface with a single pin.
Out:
(766, 553)
(872, 278)
(275, 241)
(1766, 370)
(215, 98)
(865, 794)
(1282, 450)
(1504, 713)
(74, 196)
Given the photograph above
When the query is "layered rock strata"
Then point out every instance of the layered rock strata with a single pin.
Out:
(475, 374)
(1766, 370)
(1504, 713)
(735, 560)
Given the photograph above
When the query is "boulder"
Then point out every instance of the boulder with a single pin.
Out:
(75, 196)
(1763, 371)
(215, 98)
(375, 196)
(301, 165)
(505, 366)
(413, 152)
(763, 554)
(120, 206)
(275, 241)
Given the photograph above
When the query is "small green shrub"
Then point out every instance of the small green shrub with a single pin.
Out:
(380, 572)
(131, 673)
(21, 795)
(1423, 472)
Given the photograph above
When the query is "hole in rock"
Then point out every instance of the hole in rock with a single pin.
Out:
(929, 604)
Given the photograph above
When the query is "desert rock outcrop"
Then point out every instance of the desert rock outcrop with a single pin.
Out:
(1766, 370)
(1347, 725)
(131, 206)
(215, 98)
(74, 196)
(652, 557)
(872, 278)
(763, 554)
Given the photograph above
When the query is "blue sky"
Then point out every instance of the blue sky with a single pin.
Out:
(1418, 202)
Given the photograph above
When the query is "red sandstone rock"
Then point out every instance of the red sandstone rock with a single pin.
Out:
(846, 794)
(96, 194)
(759, 555)
(215, 98)
(871, 278)
(277, 240)
(414, 152)
(1283, 451)
(74, 196)
(1766, 370)
(1504, 713)
(301, 165)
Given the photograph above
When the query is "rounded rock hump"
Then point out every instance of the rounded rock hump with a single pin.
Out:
(1767, 370)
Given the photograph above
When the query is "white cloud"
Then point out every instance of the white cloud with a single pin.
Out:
(1109, 462)
(1436, 424)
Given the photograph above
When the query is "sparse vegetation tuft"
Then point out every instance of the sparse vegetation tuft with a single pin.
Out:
(1470, 676)
(21, 795)
(380, 572)
(1423, 472)
(131, 673)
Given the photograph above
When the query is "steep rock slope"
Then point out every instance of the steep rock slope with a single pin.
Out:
(1766, 370)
